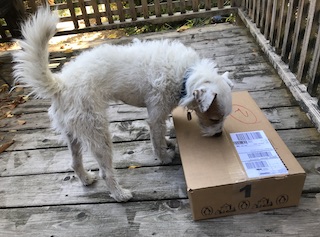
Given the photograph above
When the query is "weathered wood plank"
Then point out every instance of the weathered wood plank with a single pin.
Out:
(151, 183)
(136, 154)
(59, 159)
(302, 142)
(282, 118)
(287, 118)
(161, 218)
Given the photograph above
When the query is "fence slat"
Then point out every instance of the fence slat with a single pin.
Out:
(133, 12)
(145, 9)
(96, 12)
(182, 6)
(84, 13)
(195, 5)
(306, 38)
(280, 32)
(312, 72)
(207, 4)
(286, 38)
(253, 12)
(257, 20)
(73, 14)
(273, 21)
(268, 19)
(120, 10)
(295, 39)
(108, 11)
(263, 15)
(169, 7)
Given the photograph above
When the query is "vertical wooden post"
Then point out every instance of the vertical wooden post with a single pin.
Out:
(289, 20)
(120, 11)
(108, 11)
(220, 4)
(73, 14)
(306, 39)
(133, 12)
(84, 13)
(96, 12)
(145, 9)
(282, 13)
(295, 36)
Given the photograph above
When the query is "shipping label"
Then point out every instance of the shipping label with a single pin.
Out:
(257, 155)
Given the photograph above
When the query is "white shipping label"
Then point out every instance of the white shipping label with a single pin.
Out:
(258, 156)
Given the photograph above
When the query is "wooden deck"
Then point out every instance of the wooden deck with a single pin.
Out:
(40, 196)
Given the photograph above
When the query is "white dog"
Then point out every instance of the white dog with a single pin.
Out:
(158, 75)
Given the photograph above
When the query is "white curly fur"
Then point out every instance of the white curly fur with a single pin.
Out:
(144, 73)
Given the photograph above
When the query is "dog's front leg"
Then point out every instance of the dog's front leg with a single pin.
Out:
(86, 177)
(161, 150)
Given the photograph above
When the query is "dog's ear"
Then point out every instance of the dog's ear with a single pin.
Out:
(225, 76)
(204, 99)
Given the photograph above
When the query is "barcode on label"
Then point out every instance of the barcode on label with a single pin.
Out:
(240, 142)
(248, 136)
(256, 165)
(259, 154)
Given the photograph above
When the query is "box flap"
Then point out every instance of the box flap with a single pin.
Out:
(204, 162)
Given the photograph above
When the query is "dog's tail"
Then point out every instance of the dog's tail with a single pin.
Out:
(32, 62)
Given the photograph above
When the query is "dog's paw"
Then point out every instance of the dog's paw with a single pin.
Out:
(167, 156)
(88, 178)
(171, 145)
(122, 195)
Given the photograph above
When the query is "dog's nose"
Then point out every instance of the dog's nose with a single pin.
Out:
(217, 134)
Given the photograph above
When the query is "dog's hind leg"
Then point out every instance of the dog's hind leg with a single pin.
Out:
(86, 177)
(102, 151)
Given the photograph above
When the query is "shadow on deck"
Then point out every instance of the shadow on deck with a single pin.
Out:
(40, 196)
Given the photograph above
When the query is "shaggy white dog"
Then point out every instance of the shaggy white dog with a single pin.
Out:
(158, 75)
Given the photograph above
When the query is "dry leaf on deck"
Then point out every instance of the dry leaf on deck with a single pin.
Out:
(21, 122)
(183, 28)
(4, 87)
(68, 51)
(133, 167)
(5, 146)
(9, 114)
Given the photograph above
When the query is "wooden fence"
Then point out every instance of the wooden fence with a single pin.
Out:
(293, 29)
(92, 15)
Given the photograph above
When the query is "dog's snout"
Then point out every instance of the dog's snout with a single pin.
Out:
(217, 134)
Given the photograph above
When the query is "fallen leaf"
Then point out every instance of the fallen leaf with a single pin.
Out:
(5, 146)
(68, 51)
(133, 167)
(21, 122)
(4, 87)
(113, 36)
(25, 98)
(9, 114)
(183, 28)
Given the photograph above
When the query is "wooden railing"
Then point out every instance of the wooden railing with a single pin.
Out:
(293, 29)
(92, 15)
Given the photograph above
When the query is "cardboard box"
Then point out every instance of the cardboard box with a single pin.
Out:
(237, 172)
